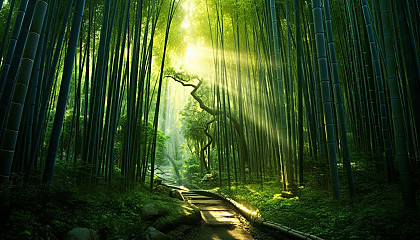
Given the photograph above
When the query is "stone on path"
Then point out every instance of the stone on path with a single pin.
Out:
(207, 202)
(214, 208)
(219, 218)
(198, 197)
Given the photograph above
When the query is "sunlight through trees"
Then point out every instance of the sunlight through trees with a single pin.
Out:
(240, 91)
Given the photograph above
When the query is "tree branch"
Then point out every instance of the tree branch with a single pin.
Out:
(194, 95)
(236, 125)
(207, 165)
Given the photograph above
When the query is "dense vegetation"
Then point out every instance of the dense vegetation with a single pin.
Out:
(315, 100)
(375, 213)
(114, 213)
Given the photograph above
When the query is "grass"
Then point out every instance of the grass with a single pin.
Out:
(376, 212)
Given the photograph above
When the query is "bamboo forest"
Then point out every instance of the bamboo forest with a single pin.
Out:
(209, 119)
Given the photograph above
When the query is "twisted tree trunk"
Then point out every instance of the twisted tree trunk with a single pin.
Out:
(242, 141)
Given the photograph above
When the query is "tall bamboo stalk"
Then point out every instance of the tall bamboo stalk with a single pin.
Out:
(14, 116)
(326, 97)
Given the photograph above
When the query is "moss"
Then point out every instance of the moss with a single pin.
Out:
(38, 213)
(376, 212)
(179, 213)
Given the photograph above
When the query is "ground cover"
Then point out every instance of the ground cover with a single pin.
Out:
(376, 212)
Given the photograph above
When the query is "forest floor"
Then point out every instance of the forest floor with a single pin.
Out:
(37, 213)
(376, 212)
(113, 212)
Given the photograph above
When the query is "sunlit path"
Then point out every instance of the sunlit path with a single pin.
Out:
(220, 221)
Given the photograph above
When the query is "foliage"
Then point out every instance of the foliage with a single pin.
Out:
(194, 121)
(115, 213)
(191, 169)
(375, 213)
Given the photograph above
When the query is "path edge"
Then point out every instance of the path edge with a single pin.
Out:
(257, 218)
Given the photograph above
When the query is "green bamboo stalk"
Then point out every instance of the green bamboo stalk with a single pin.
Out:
(300, 88)
(12, 44)
(410, 61)
(380, 87)
(14, 116)
(396, 111)
(326, 97)
(338, 98)
(48, 84)
(64, 90)
(318, 107)
(282, 105)
(97, 91)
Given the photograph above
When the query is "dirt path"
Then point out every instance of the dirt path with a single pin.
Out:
(220, 220)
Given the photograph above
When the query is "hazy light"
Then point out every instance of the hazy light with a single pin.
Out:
(186, 23)
(189, 8)
(191, 54)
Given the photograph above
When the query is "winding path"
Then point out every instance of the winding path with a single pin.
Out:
(221, 220)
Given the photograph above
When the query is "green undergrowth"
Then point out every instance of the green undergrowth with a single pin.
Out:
(376, 212)
(113, 212)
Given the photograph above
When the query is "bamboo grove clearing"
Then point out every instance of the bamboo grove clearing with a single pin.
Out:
(248, 91)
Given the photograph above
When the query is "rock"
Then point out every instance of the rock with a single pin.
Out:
(150, 211)
(162, 190)
(79, 233)
(154, 234)
(184, 214)
(177, 194)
